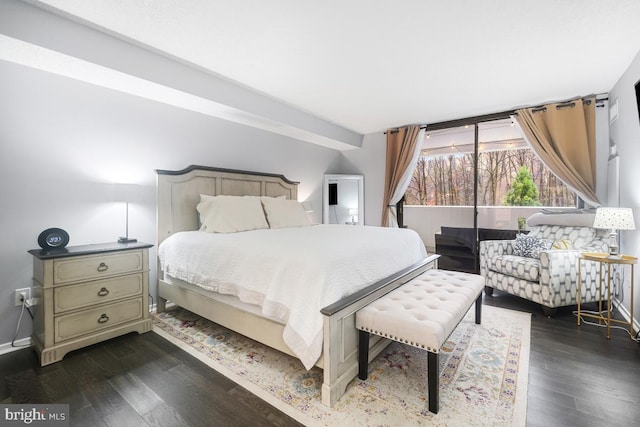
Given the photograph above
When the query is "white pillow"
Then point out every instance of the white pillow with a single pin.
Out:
(283, 213)
(203, 198)
(229, 214)
(206, 197)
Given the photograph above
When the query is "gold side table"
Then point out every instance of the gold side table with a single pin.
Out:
(606, 264)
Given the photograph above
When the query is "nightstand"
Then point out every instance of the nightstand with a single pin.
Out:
(87, 294)
(605, 273)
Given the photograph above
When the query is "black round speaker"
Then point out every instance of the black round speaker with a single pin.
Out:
(53, 238)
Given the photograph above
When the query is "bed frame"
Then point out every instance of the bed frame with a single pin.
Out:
(179, 193)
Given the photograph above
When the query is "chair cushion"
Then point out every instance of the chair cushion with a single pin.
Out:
(516, 266)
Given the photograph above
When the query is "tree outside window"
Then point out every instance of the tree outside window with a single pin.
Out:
(509, 174)
(523, 191)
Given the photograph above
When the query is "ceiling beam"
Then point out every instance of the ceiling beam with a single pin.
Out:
(37, 38)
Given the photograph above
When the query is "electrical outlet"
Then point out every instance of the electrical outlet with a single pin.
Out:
(20, 295)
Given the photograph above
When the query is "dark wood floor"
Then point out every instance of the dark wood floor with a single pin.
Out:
(134, 380)
(576, 377)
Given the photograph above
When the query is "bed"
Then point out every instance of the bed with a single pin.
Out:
(333, 338)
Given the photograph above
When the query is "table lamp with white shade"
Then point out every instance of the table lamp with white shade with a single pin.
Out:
(126, 193)
(614, 219)
(353, 212)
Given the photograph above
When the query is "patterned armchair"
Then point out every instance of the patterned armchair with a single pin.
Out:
(545, 268)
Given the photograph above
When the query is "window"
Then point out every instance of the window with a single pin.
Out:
(509, 172)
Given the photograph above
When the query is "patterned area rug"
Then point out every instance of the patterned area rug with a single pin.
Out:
(484, 372)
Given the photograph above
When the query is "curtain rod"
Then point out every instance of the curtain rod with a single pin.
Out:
(469, 120)
(571, 104)
(496, 116)
(396, 130)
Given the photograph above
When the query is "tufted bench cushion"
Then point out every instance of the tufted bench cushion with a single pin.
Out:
(422, 313)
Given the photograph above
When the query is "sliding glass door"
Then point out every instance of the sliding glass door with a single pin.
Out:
(444, 185)
(479, 181)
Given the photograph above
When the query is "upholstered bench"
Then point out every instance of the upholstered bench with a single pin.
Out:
(423, 313)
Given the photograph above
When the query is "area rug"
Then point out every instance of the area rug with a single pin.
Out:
(483, 382)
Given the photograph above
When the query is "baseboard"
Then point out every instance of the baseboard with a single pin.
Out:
(625, 313)
(19, 345)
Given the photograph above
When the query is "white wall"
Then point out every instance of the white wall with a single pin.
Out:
(625, 134)
(62, 142)
(369, 161)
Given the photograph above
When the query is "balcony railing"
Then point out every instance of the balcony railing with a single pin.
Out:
(427, 220)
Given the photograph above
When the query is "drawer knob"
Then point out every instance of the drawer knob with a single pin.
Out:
(103, 267)
(103, 292)
(103, 319)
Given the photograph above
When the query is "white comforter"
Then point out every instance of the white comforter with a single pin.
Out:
(291, 273)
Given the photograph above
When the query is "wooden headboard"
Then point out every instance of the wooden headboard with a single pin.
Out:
(179, 193)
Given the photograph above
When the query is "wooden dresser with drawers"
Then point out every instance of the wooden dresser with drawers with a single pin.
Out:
(87, 294)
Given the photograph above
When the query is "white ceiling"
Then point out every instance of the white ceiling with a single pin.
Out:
(369, 65)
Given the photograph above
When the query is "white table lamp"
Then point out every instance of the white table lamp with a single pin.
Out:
(353, 212)
(126, 193)
(614, 219)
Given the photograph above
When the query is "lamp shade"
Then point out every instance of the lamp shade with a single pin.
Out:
(125, 192)
(614, 219)
(353, 211)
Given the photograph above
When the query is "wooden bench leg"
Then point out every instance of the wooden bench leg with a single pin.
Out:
(479, 309)
(363, 354)
(433, 378)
